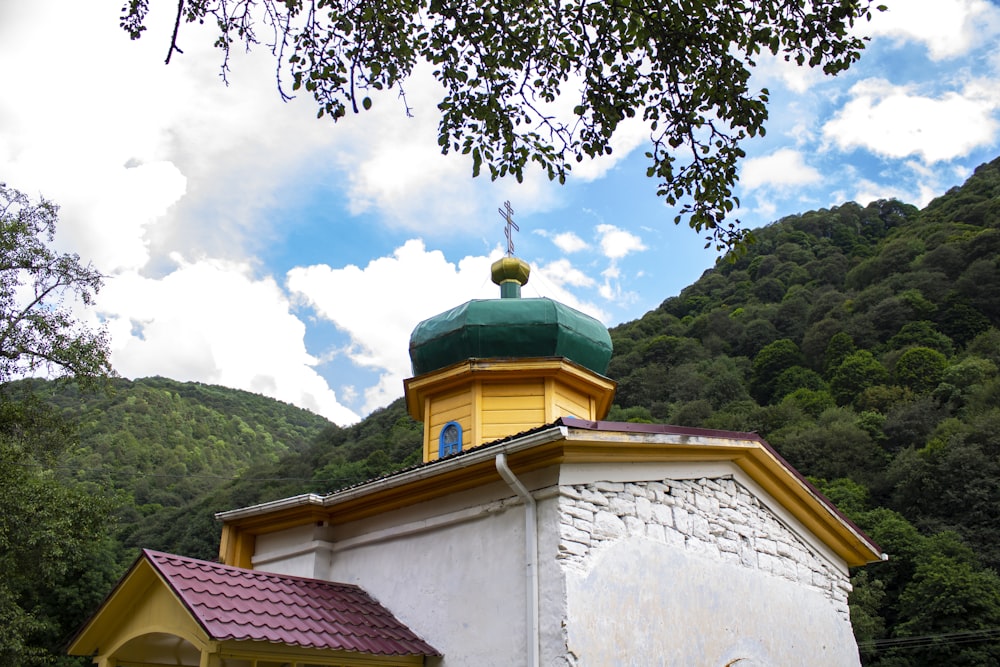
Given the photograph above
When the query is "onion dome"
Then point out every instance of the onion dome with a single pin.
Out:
(509, 327)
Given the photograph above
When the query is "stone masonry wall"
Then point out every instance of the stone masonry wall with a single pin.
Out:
(714, 518)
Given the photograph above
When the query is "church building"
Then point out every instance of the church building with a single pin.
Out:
(533, 533)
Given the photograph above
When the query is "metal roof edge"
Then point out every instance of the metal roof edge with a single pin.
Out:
(471, 457)
(270, 506)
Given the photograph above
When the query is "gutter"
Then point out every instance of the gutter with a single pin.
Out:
(531, 557)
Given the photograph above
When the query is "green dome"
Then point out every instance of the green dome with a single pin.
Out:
(509, 328)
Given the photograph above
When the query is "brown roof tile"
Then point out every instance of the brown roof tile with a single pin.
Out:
(234, 603)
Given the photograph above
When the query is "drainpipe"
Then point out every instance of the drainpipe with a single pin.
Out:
(531, 556)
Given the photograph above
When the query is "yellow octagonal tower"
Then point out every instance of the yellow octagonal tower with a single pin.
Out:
(492, 368)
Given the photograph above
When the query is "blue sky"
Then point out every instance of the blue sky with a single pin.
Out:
(248, 244)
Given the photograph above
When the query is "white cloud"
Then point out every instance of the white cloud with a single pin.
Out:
(896, 122)
(926, 185)
(617, 243)
(379, 305)
(562, 272)
(236, 150)
(567, 242)
(948, 28)
(630, 134)
(552, 281)
(783, 168)
(212, 321)
(394, 167)
(765, 209)
(802, 133)
(145, 158)
(610, 289)
(867, 191)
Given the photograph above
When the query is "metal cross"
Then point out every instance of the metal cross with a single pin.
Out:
(507, 214)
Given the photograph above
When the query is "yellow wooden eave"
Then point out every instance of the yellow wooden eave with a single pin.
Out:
(418, 388)
(572, 445)
(296, 655)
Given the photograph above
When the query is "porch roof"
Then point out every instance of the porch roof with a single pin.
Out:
(221, 605)
(234, 603)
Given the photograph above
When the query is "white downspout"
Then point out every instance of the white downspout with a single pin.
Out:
(531, 556)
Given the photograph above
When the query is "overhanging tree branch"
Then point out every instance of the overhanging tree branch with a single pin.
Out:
(682, 68)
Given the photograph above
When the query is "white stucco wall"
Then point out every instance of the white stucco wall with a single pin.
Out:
(452, 570)
(461, 586)
(695, 572)
(645, 603)
(701, 568)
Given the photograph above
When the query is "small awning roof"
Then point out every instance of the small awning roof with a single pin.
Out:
(235, 604)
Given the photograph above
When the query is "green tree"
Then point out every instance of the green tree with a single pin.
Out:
(841, 346)
(859, 371)
(833, 446)
(773, 360)
(956, 607)
(48, 523)
(796, 377)
(683, 68)
(924, 334)
(38, 331)
(810, 401)
(920, 369)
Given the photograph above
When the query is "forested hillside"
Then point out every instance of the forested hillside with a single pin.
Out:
(386, 440)
(165, 442)
(862, 342)
(137, 451)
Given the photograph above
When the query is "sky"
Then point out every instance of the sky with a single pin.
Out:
(247, 243)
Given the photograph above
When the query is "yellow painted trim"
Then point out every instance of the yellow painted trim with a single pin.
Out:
(297, 654)
(587, 446)
(236, 548)
(482, 386)
(550, 400)
(504, 388)
(419, 388)
(426, 409)
(475, 435)
(141, 604)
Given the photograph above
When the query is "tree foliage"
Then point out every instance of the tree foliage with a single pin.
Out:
(49, 527)
(39, 332)
(508, 68)
(49, 524)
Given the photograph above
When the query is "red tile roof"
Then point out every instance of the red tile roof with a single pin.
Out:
(234, 603)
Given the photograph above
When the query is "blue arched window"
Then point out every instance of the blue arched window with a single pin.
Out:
(450, 440)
